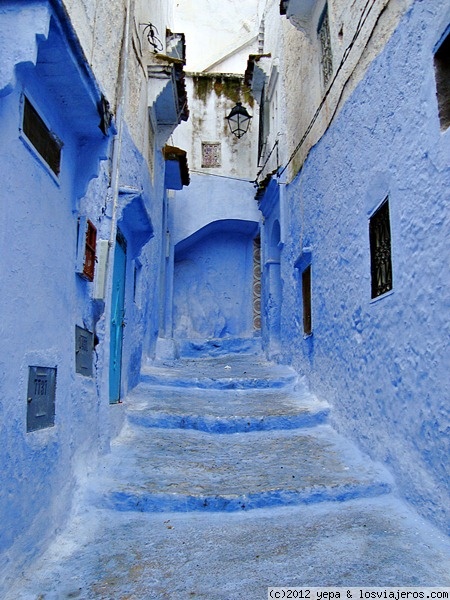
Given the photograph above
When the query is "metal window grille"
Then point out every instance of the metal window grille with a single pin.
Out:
(380, 250)
(89, 252)
(442, 72)
(211, 155)
(325, 44)
(37, 132)
(257, 283)
(306, 296)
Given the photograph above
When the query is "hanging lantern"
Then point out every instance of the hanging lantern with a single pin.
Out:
(239, 120)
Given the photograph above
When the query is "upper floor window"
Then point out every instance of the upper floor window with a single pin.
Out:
(87, 240)
(323, 32)
(211, 154)
(442, 70)
(39, 135)
(380, 250)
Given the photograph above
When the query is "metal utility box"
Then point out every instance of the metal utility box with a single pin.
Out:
(84, 347)
(41, 398)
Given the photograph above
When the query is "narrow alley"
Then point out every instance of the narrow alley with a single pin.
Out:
(227, 478)
(224, 320)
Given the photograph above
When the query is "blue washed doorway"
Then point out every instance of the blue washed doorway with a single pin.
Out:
(117, 318)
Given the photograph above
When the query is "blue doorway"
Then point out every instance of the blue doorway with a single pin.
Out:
(117, 318)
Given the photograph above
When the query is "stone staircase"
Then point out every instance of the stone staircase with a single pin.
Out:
(168, 513)
(225, 434)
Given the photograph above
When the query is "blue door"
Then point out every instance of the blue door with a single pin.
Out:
(117, 318)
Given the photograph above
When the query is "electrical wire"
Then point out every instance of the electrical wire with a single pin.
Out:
(362, 20)
(266, 161)
(152, 33)
(222, 176)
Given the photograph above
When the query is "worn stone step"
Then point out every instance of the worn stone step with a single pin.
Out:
(186, 470)
(224, 411)
(225, 372)
(197, 348)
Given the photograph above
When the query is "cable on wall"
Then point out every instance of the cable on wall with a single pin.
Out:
(362, 20)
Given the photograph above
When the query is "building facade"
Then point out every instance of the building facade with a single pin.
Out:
(85, 179)
(355, 200)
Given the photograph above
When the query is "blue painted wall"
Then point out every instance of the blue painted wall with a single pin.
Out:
(43, 298)
(213, 283)
(383, 364)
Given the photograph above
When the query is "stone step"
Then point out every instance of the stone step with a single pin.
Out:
(158, 470)
(198, 348)
(226, 372)
(224, 411)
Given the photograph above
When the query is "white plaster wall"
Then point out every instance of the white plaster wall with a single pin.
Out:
(274, 65)
(100, 28)
(95, 24)
(214, 29)
(210, 102)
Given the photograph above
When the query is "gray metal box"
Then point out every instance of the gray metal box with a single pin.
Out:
(41, 398)
(84, 347)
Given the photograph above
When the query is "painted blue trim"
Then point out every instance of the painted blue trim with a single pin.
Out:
(142, 502)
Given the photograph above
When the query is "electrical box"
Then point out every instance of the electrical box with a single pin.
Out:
(84, 348)
(100, 271)
(41, 398)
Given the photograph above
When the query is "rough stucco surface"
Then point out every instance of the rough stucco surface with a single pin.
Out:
(302, 63)
(384, 365)
(209, 300)
(207, 199)
(46, 299)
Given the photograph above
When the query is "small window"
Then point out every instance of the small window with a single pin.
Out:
(87, 240)
(323, 32)
(40, 136)
(264, 124)
(211, 154)
(442, 70)
(306, 296)
(380, 250)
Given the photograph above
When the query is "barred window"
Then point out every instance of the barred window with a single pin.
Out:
(380, 250)
(211, 154)
(40, 136)
(442, 72)
(325, 44)
(306, 297)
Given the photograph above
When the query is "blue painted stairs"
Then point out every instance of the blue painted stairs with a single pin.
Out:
(226, 434)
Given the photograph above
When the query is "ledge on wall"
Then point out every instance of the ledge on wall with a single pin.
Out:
(300, 12)
(256, 73)
(135, 222)
(177, 170)
(167, 94)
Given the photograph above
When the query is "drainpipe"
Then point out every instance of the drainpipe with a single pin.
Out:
(117, 145)
(114, 184)
(283, 217)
